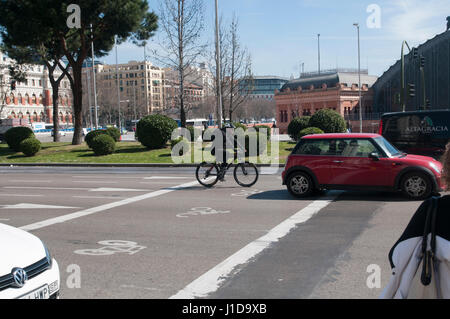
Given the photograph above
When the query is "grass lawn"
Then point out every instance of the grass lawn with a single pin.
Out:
(126, 153)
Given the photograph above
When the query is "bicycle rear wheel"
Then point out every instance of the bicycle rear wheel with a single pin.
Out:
(207, 174)
(246, 174)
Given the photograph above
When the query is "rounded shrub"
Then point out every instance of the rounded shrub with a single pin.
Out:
(297, 125)
(103, 144)
(310, 131)
(30, 146)
(328, 121)
(185, 145)
(91, 135)
(14, 136)
(114, 132)
(154, 131)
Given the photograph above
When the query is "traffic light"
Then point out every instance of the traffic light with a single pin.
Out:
(428, 104)
(415, 53)
(13, 85)
(412, 90)
(422, 61)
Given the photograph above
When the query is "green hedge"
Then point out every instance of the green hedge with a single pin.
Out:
(14, 136)
(114, 132)
(103, 144)
(30, 146)
(91, 135)
(240, 125)
(309, 131)
(328, 121)
(155, 131)
(297, 125)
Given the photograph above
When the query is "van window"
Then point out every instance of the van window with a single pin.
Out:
(424, 133)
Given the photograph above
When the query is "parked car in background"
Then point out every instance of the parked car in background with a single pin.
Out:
(61, 133)
(422, 133)
(359, 162)
(27, 270)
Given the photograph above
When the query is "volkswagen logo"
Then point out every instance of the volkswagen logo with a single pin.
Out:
(20, 277)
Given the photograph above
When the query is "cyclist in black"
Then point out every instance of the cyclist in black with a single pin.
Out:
(223, 148)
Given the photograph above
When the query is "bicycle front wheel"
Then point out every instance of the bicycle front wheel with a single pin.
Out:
(207, 174)
(246, 174)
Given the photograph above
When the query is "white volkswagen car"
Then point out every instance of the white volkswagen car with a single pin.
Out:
(27, 271)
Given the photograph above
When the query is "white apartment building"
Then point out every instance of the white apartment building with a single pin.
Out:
(141, 85)
(31, 101)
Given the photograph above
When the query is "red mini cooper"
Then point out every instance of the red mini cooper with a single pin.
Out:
(359, 162)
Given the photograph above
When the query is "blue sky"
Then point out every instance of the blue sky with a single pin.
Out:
(280, 34)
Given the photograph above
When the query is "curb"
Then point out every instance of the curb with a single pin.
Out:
(115, 165)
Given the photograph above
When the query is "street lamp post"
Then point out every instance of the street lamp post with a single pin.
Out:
(359, 79)
(95, 84)
(318, 51)
(118, 86)
(403, 84)
(218, 66)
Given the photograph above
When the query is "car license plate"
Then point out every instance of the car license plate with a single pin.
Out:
(41, 293)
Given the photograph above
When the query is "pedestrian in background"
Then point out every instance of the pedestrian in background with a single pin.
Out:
(420, 260)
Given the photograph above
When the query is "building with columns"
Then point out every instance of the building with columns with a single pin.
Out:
(32, 101)
(332, 89)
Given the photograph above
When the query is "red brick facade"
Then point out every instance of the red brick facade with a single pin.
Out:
(342, 99)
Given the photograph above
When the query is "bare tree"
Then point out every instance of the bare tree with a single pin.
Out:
(240, 71)
(236, 70)
(182, 22)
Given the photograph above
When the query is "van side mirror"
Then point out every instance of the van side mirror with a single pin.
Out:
(375, 156)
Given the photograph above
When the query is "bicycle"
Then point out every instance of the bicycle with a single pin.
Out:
(245, 174)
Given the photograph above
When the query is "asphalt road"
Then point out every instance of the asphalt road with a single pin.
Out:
(155, 233)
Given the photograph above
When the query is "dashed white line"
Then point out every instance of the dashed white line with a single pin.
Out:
(94, 210)
(212, 280)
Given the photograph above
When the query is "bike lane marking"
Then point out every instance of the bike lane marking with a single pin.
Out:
(94, 210)
(212, 280)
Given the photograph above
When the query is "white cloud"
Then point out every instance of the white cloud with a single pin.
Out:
(415, 20)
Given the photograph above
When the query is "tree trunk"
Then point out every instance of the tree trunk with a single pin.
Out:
(55, 96)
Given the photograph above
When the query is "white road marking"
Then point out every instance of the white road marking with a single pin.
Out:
(45, 188)
(95, 182)
(166, 177)
(212, 280)
(102, 189)
(109, 176)
(20, 195)
(4, 220)
(94, 210)
(34, 206)
(28, 181)
(98, 197)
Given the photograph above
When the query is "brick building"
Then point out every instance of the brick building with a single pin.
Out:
(334, 89)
